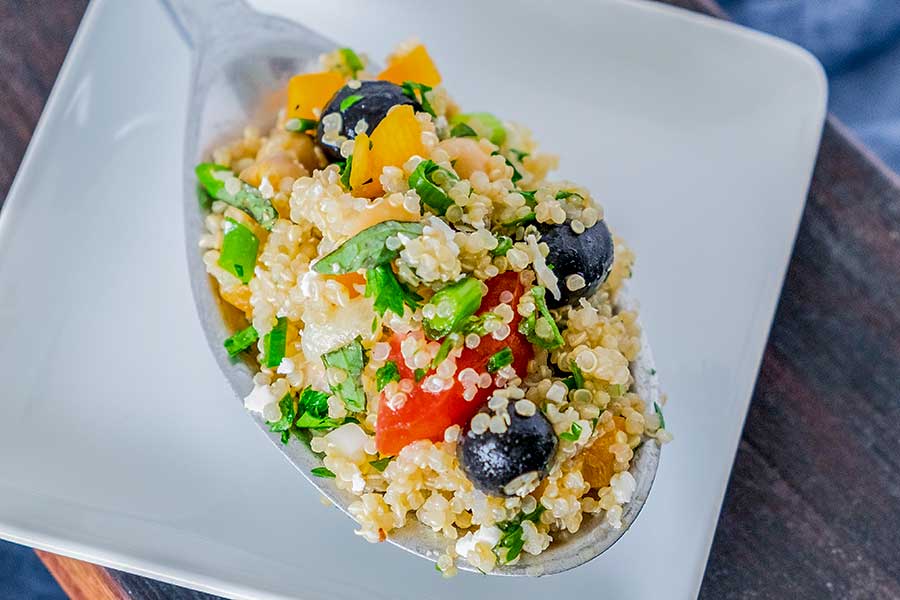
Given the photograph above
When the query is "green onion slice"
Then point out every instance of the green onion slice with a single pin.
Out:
(239, 248)
(431, 181)
(274, 343)
(453, 305)
(241, 340)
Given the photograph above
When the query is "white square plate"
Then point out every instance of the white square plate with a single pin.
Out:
(120, 439)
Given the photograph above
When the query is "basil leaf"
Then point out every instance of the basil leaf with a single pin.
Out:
(388, 293)
(499, 360)
(386, 374)
(241, 340)
(323, 473)
(349, 359)
(416, 91)
(367, 249)
(239, 249)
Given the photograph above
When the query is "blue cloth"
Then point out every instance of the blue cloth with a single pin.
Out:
(858, 42)
(24, 577)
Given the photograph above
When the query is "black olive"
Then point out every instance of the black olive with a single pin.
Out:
(518, 456)
(376, 99)
(589, 254)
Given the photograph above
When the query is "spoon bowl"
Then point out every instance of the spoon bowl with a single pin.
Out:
(242, 60)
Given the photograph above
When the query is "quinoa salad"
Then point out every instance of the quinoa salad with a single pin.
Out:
(428, 312)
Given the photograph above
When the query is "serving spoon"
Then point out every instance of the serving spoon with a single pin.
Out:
(242, 60)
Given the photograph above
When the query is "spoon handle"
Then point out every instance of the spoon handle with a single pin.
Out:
(198, 19)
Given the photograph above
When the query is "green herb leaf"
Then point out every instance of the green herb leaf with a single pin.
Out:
(520, 155)
(504, 245)
(484, 124)
(462, 130)
(350, 101)
(431, 182)
(312, 409)
(241, 340)
(345, 172)
(530, 325)
(386, 374)
(239, 249)
(577, 374)
(248, 198)
(452, 306)
(301, 125)
(275, 343)
(420, 374)
(367, 249)
(203, 199)
(511, 541)
(382, 463)
(499, 360)
(288, 414)
(349, 359)
(416, 91)
(524, 220)
(658, 410)
(352, 61)
(563, 194)
(323, 473)
(389, 294)
(517, 175)
(572, 434)
(450, 342)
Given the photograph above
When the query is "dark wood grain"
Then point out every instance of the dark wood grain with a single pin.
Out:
(813, 505)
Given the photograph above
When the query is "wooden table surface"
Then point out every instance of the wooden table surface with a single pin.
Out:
(813, 505)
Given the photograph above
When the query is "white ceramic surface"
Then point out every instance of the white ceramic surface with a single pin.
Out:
(120, 441)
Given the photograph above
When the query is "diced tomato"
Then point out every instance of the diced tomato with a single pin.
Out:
(425, 415)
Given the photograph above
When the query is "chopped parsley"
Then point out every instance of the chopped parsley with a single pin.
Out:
(367, 249)
(499, 360)
(388, 293)
(539, 327)
(572, 434)
(309, 412)
(351, 361)
(381, 463)
(274, 344)
(511, 541)
(350, 101)
(241, 340)
(352, 62)
(577, 373)
(386, 374)
(323, 473)
(504, 245)
(345, 172)
(420, 374)
(416, 91)
(288, 414)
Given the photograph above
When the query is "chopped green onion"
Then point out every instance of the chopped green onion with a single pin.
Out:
(386, 374)
(499, 360)
(323, 473)
(572, 434)
(541, 330)
(462, 130)
(658, 410)
(350, 360)
(239, 248)
(241, 340)
(350, 101)
(203, 199)
(275, 343)
(453, 305)
(301, 125)
(388, 293)
(381, 463)
(430, 182)
(450, 342)
(504, 245)
(529, 218)
(352, 61)
(484, 124)
(416, 91)
(248, 198)
(367, 249)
